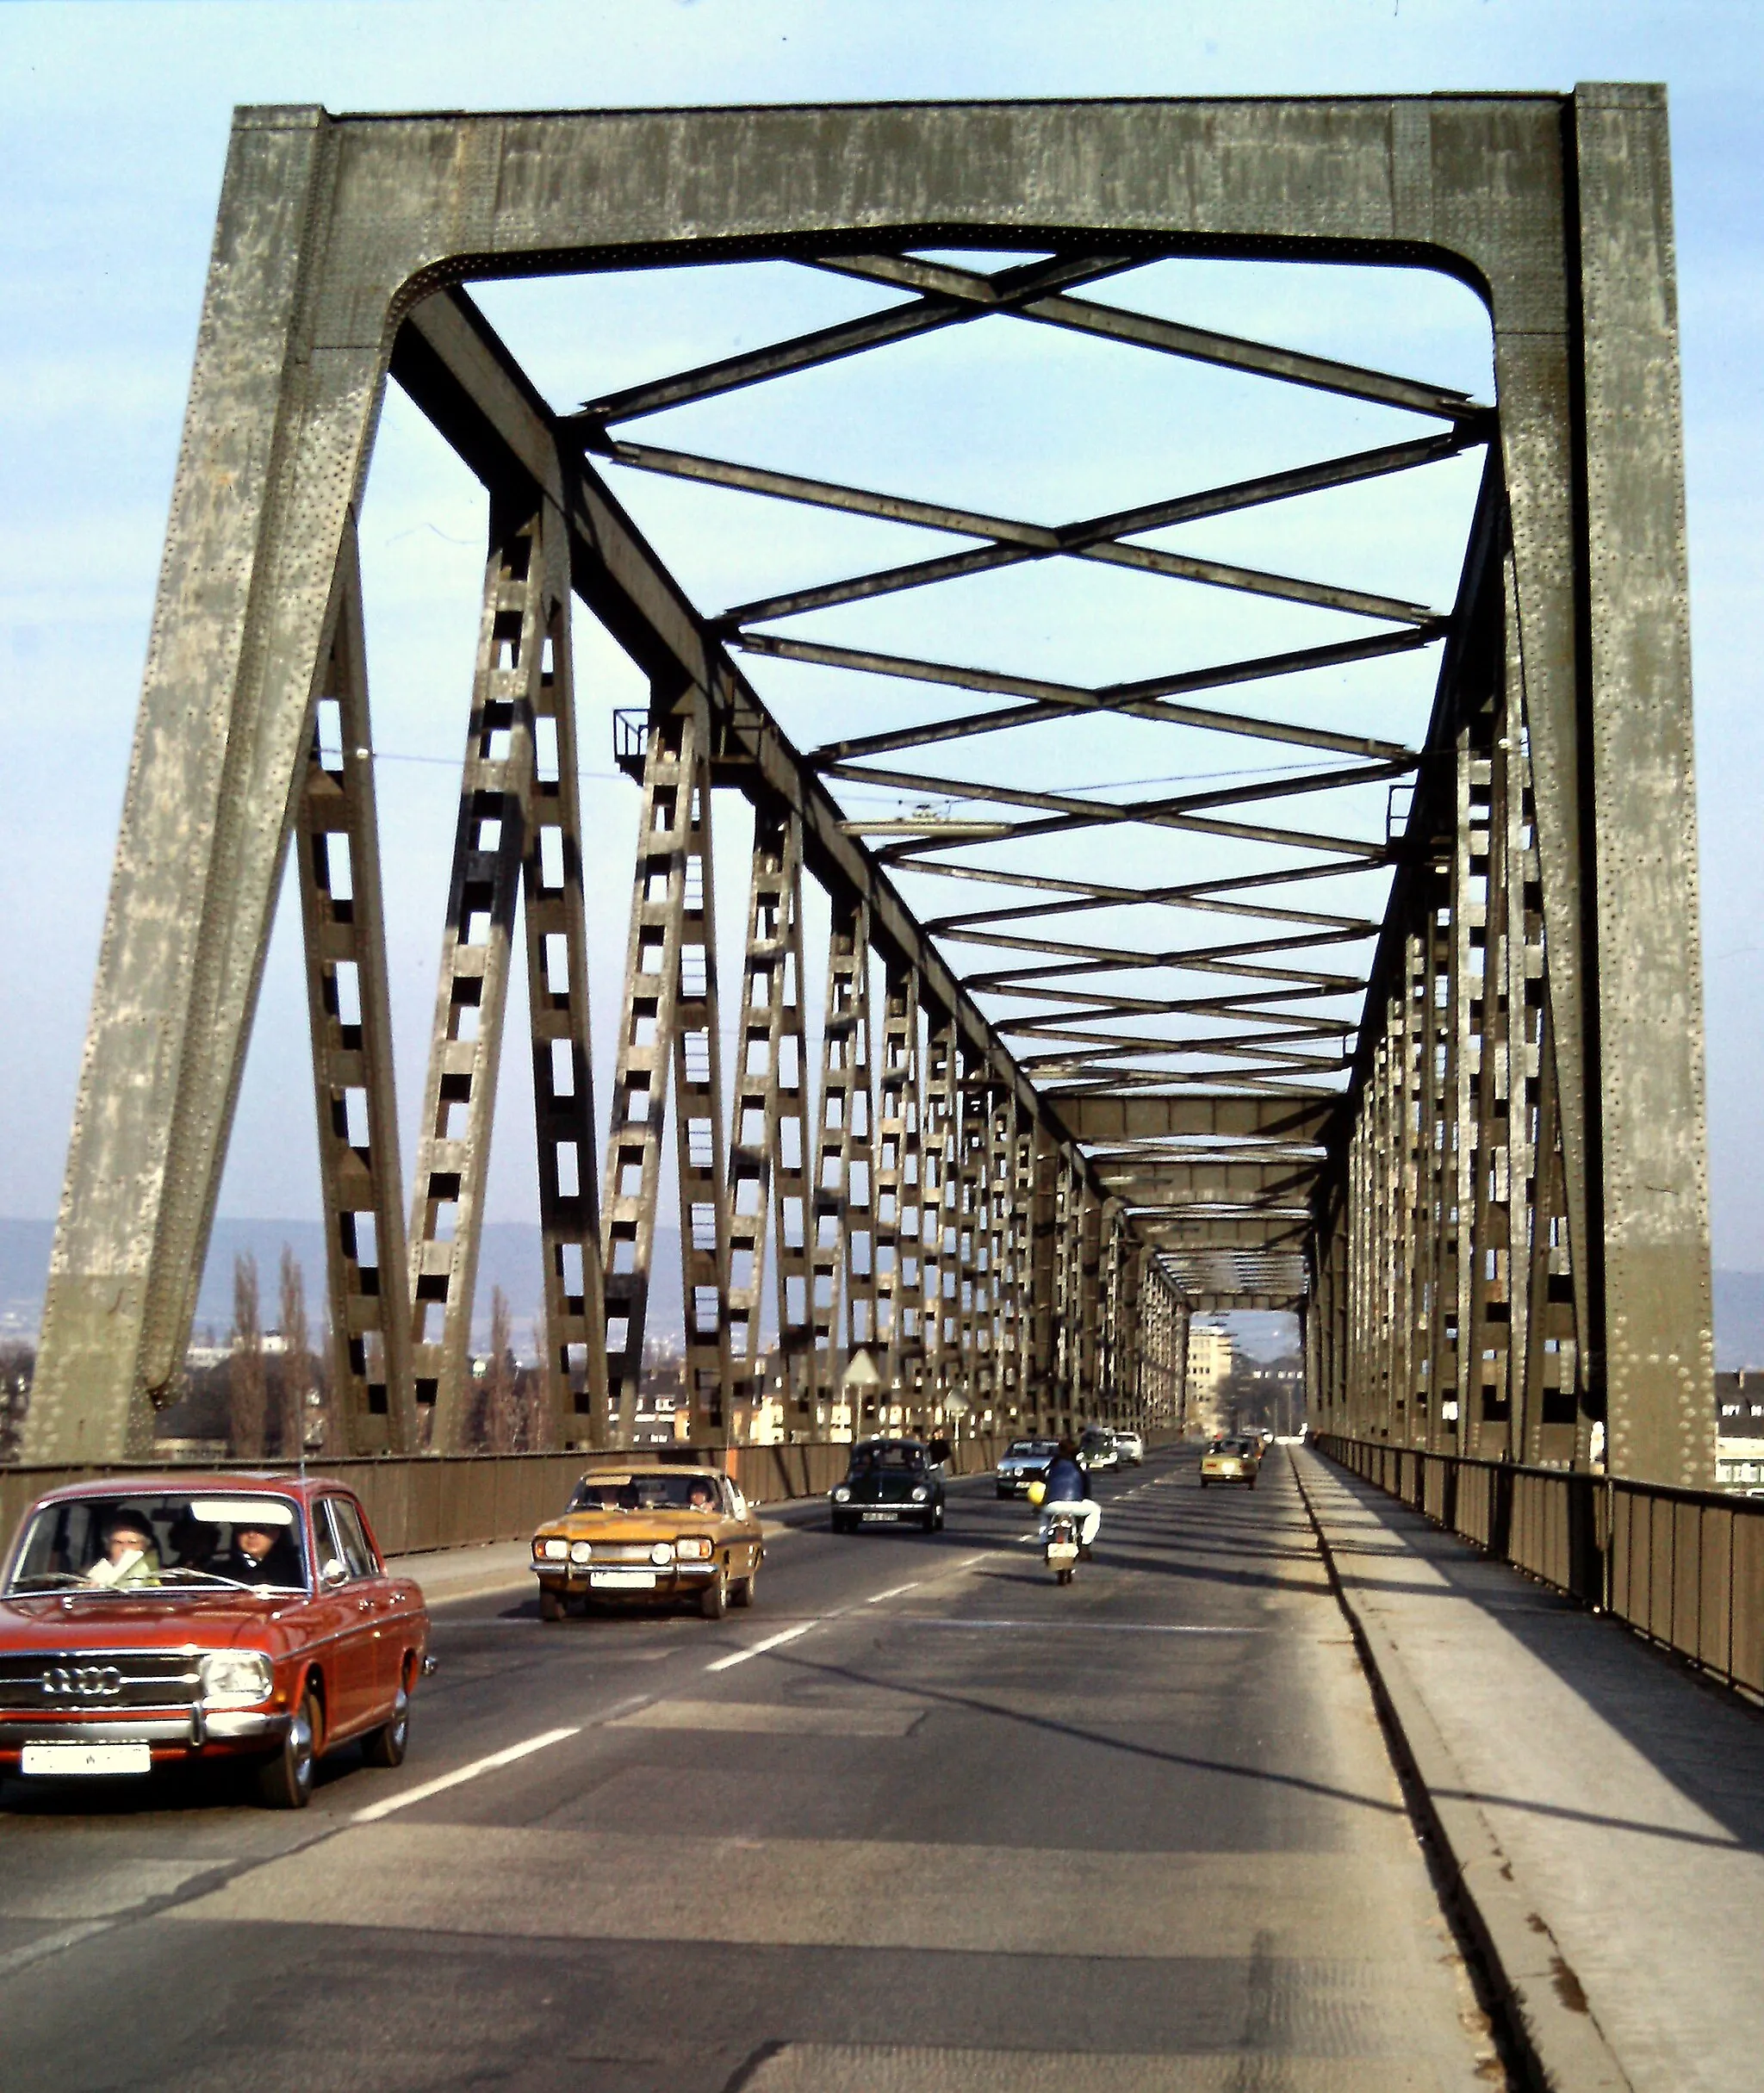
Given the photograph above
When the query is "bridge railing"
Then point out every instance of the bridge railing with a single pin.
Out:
(1685, 1568)
(423, 1501)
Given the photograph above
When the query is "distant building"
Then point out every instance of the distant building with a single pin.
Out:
(1739, 1429)
(1212, 1355)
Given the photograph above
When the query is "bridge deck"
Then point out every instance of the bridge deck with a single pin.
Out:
(959, 1829)
(966, 1830)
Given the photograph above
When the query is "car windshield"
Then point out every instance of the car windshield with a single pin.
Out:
(162, 1542)
(887, 1460)
(1029, 1446)
(652, 1493)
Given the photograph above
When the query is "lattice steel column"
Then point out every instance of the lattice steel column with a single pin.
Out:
(1468, 918)
(941, 1173)
(900, 1279)
(672, 840)
(770, 1037)
(490, 844)
(337, 856)
(698, 1134)
(574, 1350)
(1090, 1234)
(1041, 1333)
(843, 1103)
(1019, 1349)
(857, 1247)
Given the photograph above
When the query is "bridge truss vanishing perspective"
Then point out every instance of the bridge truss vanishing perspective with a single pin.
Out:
(1473, 1167)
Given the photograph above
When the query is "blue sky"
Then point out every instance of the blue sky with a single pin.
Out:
(113, 128)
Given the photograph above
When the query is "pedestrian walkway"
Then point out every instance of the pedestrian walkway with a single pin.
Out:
(1607, 1805)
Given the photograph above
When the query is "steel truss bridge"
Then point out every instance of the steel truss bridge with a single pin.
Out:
(1474, 1169)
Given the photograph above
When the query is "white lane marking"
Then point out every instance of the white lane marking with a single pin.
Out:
(758, 1649)
(1086, 1627)
(876, 1597)
(458, 1778)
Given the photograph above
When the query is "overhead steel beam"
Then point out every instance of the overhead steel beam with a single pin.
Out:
(454, 367)
(1103, 1118)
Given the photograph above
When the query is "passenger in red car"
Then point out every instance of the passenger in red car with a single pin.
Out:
(130, 1557)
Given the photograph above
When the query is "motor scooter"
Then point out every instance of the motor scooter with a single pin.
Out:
(1061, 1549)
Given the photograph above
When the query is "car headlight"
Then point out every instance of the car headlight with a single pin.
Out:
(920, 1494)
(841, 1496)
(662, 1555)
(692, 1546)
(235, 1677)
(580, 1551)
(551, 1548)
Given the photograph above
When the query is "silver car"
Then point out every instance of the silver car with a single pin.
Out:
(1020, 1463)
(1130, 1447)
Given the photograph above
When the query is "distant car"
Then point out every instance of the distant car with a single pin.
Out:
(890, 1482)
(1130, 1447)
(1097, 1449)
(1231, 1461)
(1021, 1463)
(226, 1619)
(639, 1531)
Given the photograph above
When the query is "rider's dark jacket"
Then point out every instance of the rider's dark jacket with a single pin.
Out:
(1067, 1483)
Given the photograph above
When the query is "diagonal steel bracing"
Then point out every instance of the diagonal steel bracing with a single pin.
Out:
(1479, 1178)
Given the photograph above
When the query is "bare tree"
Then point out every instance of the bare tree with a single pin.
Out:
(18, 1364)
(295, 1378)
(502, 1392)
(246, 1391)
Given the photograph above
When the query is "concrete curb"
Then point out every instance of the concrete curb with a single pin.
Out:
(1537, 1996)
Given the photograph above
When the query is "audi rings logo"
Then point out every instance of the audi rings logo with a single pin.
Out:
(81, 1682)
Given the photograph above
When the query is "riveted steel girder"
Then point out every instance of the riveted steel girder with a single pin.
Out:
(341, 245)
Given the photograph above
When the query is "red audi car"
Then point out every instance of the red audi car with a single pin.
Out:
(218, 1618)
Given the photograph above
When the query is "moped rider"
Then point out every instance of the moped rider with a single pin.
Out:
(1067, 1488)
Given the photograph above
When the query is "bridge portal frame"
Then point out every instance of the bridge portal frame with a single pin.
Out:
(333, 234)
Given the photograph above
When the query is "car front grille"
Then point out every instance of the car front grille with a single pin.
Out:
(71, 1681)
(621, 1551)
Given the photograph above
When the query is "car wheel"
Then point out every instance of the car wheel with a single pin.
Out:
(1203, 1482)
(713, 1600)
(1005, 1490)
(936, 1525)
(387, 1745)
(1252, 1482)
(843, 1525)
(285, 1782)
(553, 1606)
(742, 1595)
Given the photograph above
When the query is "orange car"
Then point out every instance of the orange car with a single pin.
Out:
(638, 1531)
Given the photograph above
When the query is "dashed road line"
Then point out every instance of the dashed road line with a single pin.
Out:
(462, 1774)
(758, 1649)
(894, 1592)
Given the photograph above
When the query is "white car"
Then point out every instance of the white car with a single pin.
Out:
(1130, 1447)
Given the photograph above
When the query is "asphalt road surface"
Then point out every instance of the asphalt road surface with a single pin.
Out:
(920, 1820)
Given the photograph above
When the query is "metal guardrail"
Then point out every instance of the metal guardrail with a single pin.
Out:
(1685, 1568)
(423, 1501)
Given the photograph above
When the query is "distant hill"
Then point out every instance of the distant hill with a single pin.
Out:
(510, 1259)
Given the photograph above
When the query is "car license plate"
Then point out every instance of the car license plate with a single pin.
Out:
(881, 1515)
(86, 1758)
(622, 1579)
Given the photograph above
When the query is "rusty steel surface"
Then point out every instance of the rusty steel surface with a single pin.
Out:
(1475, 1169)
